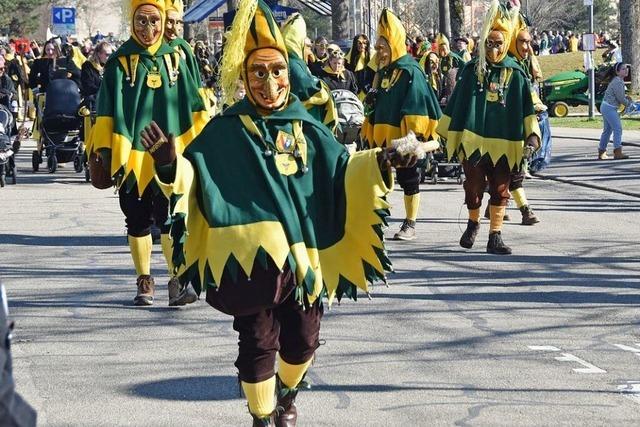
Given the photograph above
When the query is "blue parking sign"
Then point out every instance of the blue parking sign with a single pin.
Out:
(63, 15)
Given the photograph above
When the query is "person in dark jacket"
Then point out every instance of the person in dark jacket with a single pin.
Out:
(92, 70)
(7, 88)
(51, 66)
(334, 73)
(357, 61)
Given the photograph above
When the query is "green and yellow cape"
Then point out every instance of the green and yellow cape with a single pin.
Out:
(245, 197)
(492, 118)
(127, 103)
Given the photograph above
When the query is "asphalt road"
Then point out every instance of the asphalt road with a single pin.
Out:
(547, 336)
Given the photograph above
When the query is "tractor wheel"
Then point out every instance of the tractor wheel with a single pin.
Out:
(560, 109)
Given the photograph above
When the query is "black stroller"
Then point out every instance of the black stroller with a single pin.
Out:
(7, 153)
(437, 167)
(350, 117)
(60, 124)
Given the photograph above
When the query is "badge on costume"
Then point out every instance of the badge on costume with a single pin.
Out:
(385, 83)
(285, 143)
(286, 164)
(154, 79)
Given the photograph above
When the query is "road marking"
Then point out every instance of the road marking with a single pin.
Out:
(631, 390)
(543, 348)
(631, 349)
(588, 367)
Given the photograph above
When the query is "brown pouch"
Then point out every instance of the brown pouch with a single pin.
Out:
(100, 177)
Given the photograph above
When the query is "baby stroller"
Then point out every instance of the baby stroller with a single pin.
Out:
(7, 155)
(350, 118)
(437, 166)
(60, 125)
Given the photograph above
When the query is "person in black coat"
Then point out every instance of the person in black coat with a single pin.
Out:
(92, 70)
(334, 73)
(52, 66)
(7, 88)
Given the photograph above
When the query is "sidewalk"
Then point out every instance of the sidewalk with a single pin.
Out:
(574, 161)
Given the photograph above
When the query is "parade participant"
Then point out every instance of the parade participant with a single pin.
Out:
(462, 49)
(401, 101)
(144, 80)
(335, 75)
(314, 94)
(520, 50)
(7, 88)
(432, 70)
(358, 59)
(50, 66)
(321, 55)
(250, 222)
(174, 26)
(450, 62)
(487, 122)
(18, 70)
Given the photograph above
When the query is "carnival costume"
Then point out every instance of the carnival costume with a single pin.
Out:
(358, 64)
(530, 65)
(486, 123)
(250, 223)
(402, 101)
(141, 84)
(314, 94)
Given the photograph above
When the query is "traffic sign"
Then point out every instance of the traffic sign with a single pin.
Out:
(63, 20)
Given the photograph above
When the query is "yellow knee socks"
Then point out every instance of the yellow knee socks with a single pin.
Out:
(519, 197)
(167, 251)
(412, 205)
(141, 253)
(260, 397)
(474, 215)
(291, 375)
(497, 216)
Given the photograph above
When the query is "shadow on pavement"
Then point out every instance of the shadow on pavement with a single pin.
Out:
(190, 389)
(29, 240)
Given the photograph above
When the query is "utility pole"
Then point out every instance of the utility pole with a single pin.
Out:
(444, 20)
(592, 71)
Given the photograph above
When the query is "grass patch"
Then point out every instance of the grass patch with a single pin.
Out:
(554, 64)
(584, 123)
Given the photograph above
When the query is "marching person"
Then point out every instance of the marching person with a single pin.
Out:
(250, 223)
(401, 101)
(144, 80)
(488, 121)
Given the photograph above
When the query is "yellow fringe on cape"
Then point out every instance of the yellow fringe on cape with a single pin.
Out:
(380, 134)
(211, 248)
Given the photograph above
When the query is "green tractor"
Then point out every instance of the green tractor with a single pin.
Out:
(568, 88)
(571, 88)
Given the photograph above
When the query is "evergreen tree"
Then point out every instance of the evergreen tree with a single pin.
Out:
(19, 17)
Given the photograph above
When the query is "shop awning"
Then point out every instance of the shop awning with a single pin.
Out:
(201, 9)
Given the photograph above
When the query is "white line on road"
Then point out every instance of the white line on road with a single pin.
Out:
(627, 348)
(543, 348)
(588, 367)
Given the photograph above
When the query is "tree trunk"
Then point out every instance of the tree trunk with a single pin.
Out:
(340, 19)
(444, 18)
(630, 31)
(456, 9)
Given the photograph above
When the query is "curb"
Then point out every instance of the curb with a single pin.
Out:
(586, 185)
(586, 138)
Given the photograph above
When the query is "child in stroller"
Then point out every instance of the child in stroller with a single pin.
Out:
(60, 124)
(7, 153)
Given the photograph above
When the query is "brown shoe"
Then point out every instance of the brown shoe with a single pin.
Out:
(179, 294)
(602, 155)
(146, 286)
(617, 154)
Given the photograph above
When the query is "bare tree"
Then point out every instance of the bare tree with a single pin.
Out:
(630, 29)
(339, 19)
(445, 17)
(456, 10)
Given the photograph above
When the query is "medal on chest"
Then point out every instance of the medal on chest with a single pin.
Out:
(154, 79)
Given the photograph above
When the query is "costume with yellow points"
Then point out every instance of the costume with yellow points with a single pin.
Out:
(403, 102)
(486, 122)
(144, 80)
(520, 50)
(314, 94)
(448, 66)
(250, 223)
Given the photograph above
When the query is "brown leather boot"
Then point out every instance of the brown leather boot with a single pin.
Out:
(180, 294)
(617, 154)
(287, 413)
(146, 286)
(528, 217)
(602, 155)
